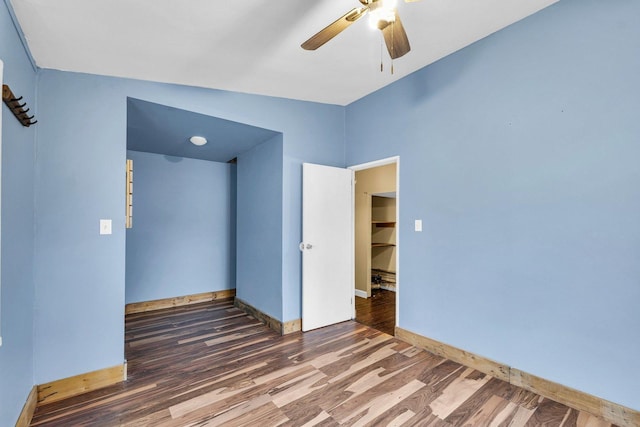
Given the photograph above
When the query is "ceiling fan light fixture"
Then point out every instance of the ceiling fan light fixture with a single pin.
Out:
(198, 140)
(382, 13)
(380, 18)
(387, 4)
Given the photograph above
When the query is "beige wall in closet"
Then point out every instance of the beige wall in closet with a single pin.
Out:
(380, 179)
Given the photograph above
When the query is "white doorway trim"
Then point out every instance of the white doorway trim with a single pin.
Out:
(374, 164)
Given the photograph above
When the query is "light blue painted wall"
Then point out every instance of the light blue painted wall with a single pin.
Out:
(81, 152)
(520, 153)
(16, 283)
(79, 274)
(181, 241)
(259, 265)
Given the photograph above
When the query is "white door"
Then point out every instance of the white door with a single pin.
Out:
(1, 71)
(327, 246)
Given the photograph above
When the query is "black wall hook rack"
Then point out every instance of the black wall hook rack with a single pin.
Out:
(16, 107)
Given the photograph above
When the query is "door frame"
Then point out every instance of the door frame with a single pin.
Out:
(370, 165)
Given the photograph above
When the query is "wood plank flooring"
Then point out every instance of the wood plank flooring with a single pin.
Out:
(379, 311)
(210, 364)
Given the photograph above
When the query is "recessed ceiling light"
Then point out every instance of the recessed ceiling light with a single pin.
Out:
(198, 140)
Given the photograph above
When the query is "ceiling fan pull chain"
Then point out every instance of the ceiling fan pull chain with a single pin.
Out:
(393, 45)
(381, 42)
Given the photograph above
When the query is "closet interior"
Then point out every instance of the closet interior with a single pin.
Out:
(383, 242)
(376, 247)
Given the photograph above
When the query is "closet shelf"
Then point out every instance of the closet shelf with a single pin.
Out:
(383, 245)
(384, 223)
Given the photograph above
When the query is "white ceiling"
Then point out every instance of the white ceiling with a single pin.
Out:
(251, 46)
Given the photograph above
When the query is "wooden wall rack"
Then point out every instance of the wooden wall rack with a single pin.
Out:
(16, 107)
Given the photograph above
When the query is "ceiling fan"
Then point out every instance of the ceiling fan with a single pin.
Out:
(384, 16)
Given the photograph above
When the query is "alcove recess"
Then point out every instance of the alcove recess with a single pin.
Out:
(383, 241)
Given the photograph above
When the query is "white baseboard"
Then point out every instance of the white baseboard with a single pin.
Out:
(361, 294)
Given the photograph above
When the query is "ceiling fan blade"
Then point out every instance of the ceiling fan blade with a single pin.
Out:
(396, 38)
(334, 28)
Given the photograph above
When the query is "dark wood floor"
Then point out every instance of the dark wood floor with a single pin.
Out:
(379, 311)
(210, 364)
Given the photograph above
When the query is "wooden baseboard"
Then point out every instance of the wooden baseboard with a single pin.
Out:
(24, 420)
(466, 358)
(291, 326)
(159, 304)
(83, 383)
(273, 323)
(609, 411)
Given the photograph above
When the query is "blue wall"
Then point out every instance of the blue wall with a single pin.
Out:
(181, 240)
(259, 266)
(520, 153)
(16, 283)
(80, 275)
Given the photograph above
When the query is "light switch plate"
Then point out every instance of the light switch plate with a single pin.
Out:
(105, 226)
(418, 225)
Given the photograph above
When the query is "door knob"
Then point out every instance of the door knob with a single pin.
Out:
(304, 246)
